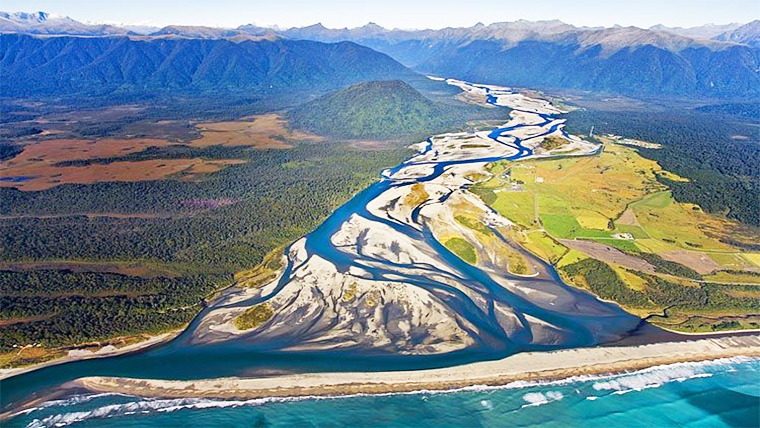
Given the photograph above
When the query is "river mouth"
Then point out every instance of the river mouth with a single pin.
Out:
(413, 304)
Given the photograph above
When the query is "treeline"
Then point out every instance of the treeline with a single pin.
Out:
(605, 283)
(51, 283)
(721, 157)
(669, 267)
(745, 110)
(169, 152)
(62, 308)
(9, 151)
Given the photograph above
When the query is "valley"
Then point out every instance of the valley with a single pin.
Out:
(598, 212)
(375, 276)
(438, 264)
(181, 202)
(579, 212)
(540, 223)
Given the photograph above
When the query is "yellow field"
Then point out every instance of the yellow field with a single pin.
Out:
(592, 220)
(666, 220)
(654, 246)
(542, 245)
(631, 280)
(615, 202)
(571, 257)
(578, 197)
(602, 184)
(266, 131)
(734, 278)
(754, 258)
(733, 261)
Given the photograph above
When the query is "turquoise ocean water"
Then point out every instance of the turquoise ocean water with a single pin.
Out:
(720, 393)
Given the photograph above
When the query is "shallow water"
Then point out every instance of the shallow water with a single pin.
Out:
(721, 393)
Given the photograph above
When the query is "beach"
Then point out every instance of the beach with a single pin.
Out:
(528, 366)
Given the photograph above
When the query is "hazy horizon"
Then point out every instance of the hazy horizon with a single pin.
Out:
(396, 13)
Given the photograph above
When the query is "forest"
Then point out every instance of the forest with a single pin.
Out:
(720, 155)
(660, 293)
(223, 223)
(194, 233)
(72, 308)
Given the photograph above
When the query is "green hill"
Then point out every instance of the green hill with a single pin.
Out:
(381, 110)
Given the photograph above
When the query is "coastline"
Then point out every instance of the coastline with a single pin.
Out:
(77, 355)
(529, 366)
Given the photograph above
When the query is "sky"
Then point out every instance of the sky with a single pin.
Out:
(406, 14)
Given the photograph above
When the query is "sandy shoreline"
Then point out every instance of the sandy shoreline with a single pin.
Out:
(76, 355)
(530, 366)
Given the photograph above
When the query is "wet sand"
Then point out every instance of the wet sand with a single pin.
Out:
(530, 366)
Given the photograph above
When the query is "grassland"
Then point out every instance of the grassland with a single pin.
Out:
(266, 131)
(264, 272)
(254, 316)
(462, 248)
(53, 162)
(671, 261)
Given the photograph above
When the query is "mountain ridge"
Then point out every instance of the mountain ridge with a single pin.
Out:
(380, 110)
(543, 54)
(34, 66)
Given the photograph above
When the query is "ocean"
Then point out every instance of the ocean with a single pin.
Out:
(719, 393)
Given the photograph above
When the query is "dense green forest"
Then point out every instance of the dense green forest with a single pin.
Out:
(70, 308)
(383, 110)
(223, 223)
(721, 157)
(605, 283)
(203, 232)
(745, 110)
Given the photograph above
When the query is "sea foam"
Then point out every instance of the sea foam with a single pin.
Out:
(616, 383)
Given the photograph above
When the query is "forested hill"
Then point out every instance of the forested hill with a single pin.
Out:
(381, 110)
(54, 66)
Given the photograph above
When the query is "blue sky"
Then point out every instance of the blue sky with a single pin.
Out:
(398, 13)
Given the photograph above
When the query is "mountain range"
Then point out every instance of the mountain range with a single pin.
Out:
(67, 65)
(54, 24)
(552, 54)
(709, 61)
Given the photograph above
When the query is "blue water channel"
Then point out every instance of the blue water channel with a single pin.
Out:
(181, 359)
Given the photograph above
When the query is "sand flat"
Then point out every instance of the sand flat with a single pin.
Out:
(530, 366)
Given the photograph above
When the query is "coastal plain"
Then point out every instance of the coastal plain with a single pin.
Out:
(520, 242)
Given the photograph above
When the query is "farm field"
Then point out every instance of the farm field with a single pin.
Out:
(609, 220)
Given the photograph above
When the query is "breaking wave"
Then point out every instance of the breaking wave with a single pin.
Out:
(614, 383)
(540, 398)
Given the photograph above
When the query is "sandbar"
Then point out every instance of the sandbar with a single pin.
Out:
(528, 366)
